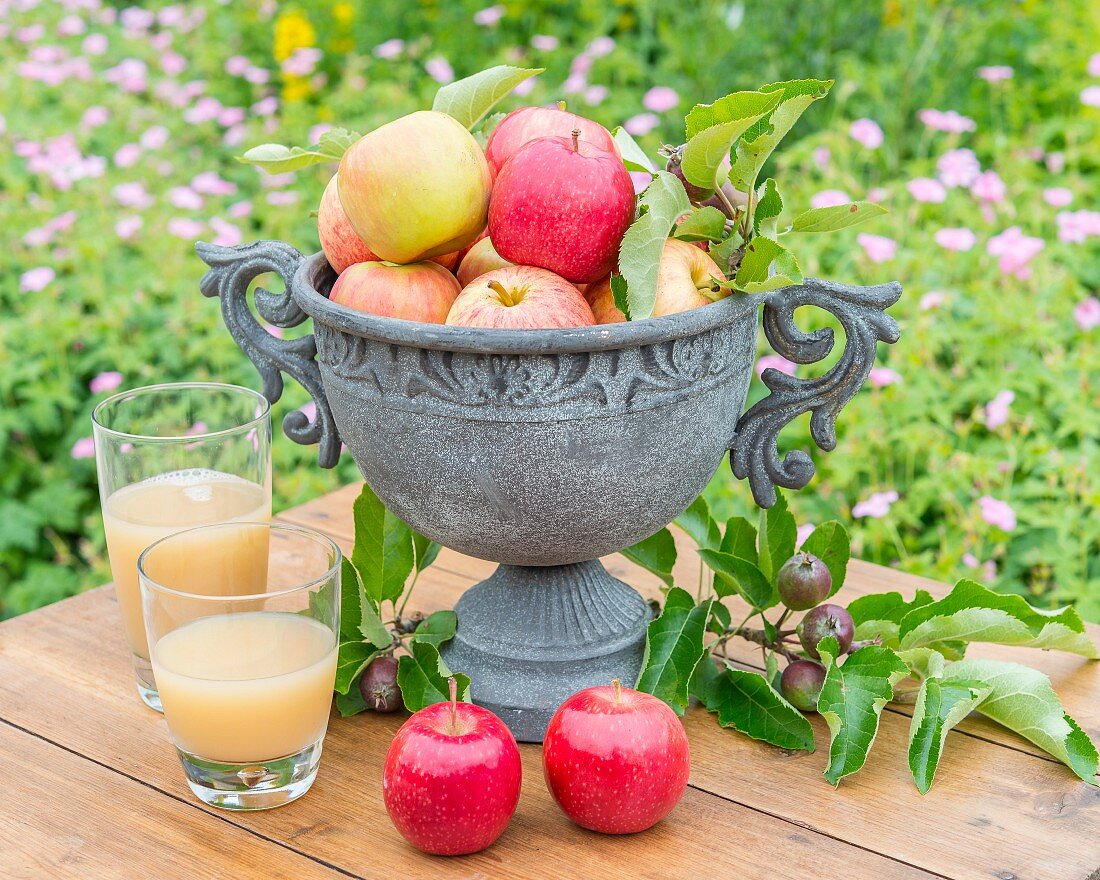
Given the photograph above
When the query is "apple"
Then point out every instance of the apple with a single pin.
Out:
(602, 302)
(341, 244)
(520, 298)
(616, 760)
(417, 292)
(482, 257)
(452, 777)
(685, 279)
(415, 188)
(448, 261)
(524, 125)
(562, 204)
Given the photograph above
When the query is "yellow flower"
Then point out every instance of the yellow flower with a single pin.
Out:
(292, 31)
(892, 13)
(295, 88)
(343, 12)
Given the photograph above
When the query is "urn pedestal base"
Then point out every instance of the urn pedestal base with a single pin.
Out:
(529, 637)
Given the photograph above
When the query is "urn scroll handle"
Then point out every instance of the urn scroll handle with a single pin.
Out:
(232, 270)
(861, 311)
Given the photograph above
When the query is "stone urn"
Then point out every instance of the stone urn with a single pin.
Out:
(544, 450)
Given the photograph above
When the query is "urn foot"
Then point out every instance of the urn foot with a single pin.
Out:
(529, 637)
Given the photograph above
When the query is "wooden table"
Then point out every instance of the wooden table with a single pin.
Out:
(90, 786)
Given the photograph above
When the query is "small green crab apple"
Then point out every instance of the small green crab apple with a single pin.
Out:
(803, 582)
(801, 684)
(823, 621)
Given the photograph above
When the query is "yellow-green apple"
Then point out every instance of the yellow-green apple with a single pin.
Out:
(482, 257)
(686, 279)
(564, 205)
(602, 302)
(342, 246)
(524, 125)
(415, 292)
(520, 298)
(416, 188)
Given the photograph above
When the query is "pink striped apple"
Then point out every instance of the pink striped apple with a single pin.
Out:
(482, 257)
(520, 298)
(416, 292)
(524, 125)
(341, 244)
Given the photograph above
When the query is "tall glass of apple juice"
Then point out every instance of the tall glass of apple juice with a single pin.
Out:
(245, 676)
(171, 457)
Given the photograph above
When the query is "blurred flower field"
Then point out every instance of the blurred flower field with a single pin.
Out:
(974, 450)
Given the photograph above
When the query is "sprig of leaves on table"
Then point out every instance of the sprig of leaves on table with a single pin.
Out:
(923, 640)
(376, 582)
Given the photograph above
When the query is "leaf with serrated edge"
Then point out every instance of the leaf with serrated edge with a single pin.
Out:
(973, 613)
(383, 551)
(739, 539)
(702, 224)
(352, 600)
(738, 576)
(766, 265)
(758, 142)
(277, 159)
(351, 703)
(619, 294)
(778, 536)
(469, 99)
(673, 648)
(699, 524)
(836, 217)
(640, 252)
(337, 141)
(1023, 700)
(634, 157)
(747, 702)
(372, 629)
(437, 628)
(425, 550)
(352, 659)
(422, 676)
(879, 615)
(729, 118)
(765, 216)
(851, 702)
(830, 543)
(656, 554)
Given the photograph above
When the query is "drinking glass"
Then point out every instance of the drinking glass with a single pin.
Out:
(245, 675)
(171, 457)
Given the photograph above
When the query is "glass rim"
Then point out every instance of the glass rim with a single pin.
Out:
(143, 390)
(145, 581)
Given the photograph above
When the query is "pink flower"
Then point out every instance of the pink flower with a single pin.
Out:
(600, 46)
(278, 181)
(877, 506)
(927, 189)
(640, 179)
(775, 362)
(83, 448)
(641, 124)
(137, 19)
(988, 187)
(130, 75)
(30, 34)
(173, 63)
(185, 198)
(230, 116)
(34, 280)
(828, 198)
(94, 117)
(821, 156)
(281, 198)
(71, 26)
(1087, 313)
(660, 99)
(302, 62)
(932, 300)
(1057, 196)
(544, 42)
(1055, 162)
(225, 234)
(489, 16)
(440, 70)
(1090, 96)
(1075, 227)
(958, 168)
(880, 377)
(996, 73)
(525, 87)
(132, 195)
(185, 228)
(1093, 66)
(236, 65)
(234, 136)
(94, 44)
(996, 411)
(867, 132)
(257, 75)
(1014, 250)
(240, 210)
(127, 155)
(208, 183)
(127, 227)
(574, 84)
(946, 120)
(997, 513)
(955, 238)
(389, 49)
(154, 138)
(594, 95)
(108, 381)
(316, 131)
(309, 410)
(878, 248)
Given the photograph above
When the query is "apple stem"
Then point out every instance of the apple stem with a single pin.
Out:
(618, 688)
(503, 292)
(452, 687)
(576, 140)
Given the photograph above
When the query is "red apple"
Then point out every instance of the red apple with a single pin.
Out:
(524, 125)
(417, 292)
(482, 257)
(602, 302)
(452, 778)
(520, 298)
(339, 241)
(562, 204)
(616, 760)
(685, 279)
(448, 261)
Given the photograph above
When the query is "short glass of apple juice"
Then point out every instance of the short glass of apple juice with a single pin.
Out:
(245, 679)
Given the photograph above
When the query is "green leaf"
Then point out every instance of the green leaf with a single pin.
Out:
(723, 252)
(830, 543)
(437, 628)
(778, 536)
(469, 100)
(634, 157)
(747, 702)
(758, 142)
(663, 202)
(1023, 700)
(974, 613)
(276, 159)
(422, 676)
(739, 576)
(698, 523)
(673, 648)
(373, 629)
(383, 551)
(425, 551)
(337, 141)
(713, 128)
(351, 601)
(702, 224)
(719, 618)
(351, 703)
(765, 216)
(771, 670)
(851, 702)
(766, 265)
(740, 539)
(879, 615)
(836, 217)
(352, 659)
(656, 554)
(619, 294)
(939, 707)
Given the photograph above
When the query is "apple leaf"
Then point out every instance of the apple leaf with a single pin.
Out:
(656, 554)
(702, 224)
(699, 524)
(422, 676)
(757, 143)
(351, 703)
(738, 576)
(469, 100)
(740, 539)
(879, 615)
(766, 265)
(662, 204)
(725, 253)
(713, 128)
(425, 550)
(836, 217)
(352, 600)
(353, 658)
(372, 629)
(634, 157)
(673, 648)
(437, 628)
(277, 159)
(974, 613)
(618, 293)
(765, 216)
(337, 141)
(778, 535)
(1023, 700)
(830, 543)
(747, 701)
(851, 702)
(383, 552)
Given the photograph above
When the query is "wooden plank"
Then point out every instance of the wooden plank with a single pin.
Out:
(64, 816)
(71, 655)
